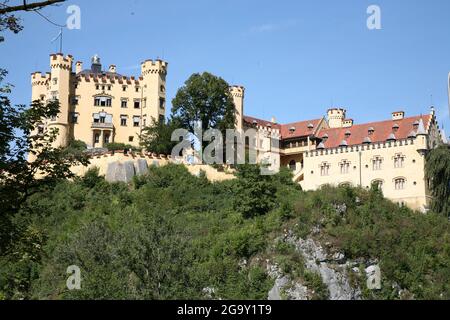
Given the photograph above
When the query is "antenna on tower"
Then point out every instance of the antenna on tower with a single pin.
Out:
(60, 37)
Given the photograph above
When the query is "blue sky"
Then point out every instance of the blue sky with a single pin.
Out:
(295, 58)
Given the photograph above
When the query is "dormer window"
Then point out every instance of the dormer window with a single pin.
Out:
(292, 129)
(391, 137)
(367, 140)
(371, 131)
(348, 133)
(395, 127)
(310, 126)
(343, 144)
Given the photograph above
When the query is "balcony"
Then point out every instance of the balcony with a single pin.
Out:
(102, 125)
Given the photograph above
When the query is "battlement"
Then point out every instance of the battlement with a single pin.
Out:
(237, 91)
(58, 61)
(39, 79)
(361, 148)
(154, 67)
(109, 79)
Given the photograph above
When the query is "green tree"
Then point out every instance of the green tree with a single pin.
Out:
(204, 98)
(19, 137)
(437, 170)
(255, 193)
(157, 136)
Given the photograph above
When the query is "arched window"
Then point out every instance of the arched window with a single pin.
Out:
(400, 183)
(399, 161)
(324, 169)
(376, 163)
(293, 165)
(378, 183)
(345, 184)
(344, 165)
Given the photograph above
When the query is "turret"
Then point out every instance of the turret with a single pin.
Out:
(421, 138)
(153, 86)
(336, 117)
(238, 93)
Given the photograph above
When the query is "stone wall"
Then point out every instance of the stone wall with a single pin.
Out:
(121, 166)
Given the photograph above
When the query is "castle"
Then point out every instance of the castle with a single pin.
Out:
(99, 107)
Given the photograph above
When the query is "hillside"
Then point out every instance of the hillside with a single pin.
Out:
(171, 235)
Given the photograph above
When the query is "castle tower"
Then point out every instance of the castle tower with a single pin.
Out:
(59, 88)
(336, 117)
(238, 93)
(153, 86)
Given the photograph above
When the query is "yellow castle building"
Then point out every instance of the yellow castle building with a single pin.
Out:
(97, 106)
(100, 106)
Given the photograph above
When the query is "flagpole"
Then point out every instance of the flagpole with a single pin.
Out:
(61, 42)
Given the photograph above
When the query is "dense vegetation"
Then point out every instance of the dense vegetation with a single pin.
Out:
(171, 235)
(438, 174)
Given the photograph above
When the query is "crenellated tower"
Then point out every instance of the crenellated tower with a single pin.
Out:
(153, 86)
(336, 117)
(238, 93)
(59, 89)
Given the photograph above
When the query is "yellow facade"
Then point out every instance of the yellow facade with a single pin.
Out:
(98, 106)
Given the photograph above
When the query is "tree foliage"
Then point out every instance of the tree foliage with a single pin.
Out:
(157, 137)
(204, 98)
(438, 174)
(19, 138)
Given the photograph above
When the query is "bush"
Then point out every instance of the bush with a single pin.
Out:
(114, 146)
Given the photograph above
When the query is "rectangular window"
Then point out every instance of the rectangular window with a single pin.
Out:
(75, 100)
(137, 89)
(109, 88)
(130, 139)
(124, 103)
(74, 117)
(96, 137)
(102, 101)
(97, 87)
(162, 103)
(106, 138)
(137, 104)
(136, 121)
(124, 88)
(123, 121)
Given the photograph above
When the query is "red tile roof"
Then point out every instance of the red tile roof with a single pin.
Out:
(263, 123)
(302, 129)
(382, 131)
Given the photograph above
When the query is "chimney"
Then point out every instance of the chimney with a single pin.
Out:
(398, 115)
(78, 67)
(112, 68)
